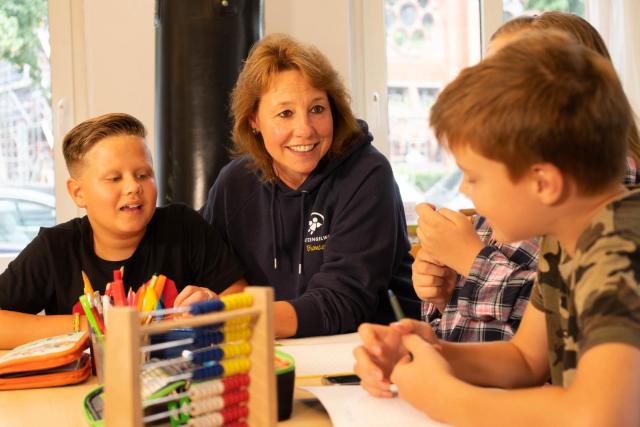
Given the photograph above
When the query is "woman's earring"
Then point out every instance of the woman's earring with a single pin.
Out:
(254, 131)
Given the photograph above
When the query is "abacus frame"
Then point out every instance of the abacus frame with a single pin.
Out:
(123, 400)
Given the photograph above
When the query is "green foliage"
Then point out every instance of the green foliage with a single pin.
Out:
(19, 22)
(573, 6)
(424, 180)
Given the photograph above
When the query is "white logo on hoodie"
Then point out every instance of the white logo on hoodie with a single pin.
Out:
(315, 222)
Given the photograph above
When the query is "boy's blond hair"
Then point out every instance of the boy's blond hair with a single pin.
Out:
(79, 140)
(543, 97)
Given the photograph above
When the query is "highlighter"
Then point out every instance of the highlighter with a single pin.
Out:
(119, 297)
(140, 297)
(159, 286)
(84, 301)
(150, 300)
(152, 282)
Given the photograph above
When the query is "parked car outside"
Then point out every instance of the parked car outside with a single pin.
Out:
(22, 212)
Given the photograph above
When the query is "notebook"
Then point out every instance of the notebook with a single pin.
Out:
(47, 362)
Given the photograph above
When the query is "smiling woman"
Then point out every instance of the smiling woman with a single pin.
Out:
(335, 236)
(295, 122)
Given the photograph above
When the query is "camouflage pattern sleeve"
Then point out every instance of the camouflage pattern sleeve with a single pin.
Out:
(536, 295)
(592, 297)
(607, 291)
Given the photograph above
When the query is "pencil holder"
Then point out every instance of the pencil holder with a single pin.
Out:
(286, 375)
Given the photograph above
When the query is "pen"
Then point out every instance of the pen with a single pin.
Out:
(131, 297)
(98, 319)
(106, 306)
(97, 301)
(395, 305)
(84, 301)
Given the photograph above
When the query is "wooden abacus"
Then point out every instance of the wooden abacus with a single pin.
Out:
(126, 335)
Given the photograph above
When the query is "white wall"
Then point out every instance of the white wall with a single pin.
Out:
(120, 59)
(325, 24)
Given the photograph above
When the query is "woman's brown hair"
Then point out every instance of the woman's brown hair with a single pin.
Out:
(271, 55)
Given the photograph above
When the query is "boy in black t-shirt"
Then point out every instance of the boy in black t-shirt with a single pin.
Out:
(112, 177)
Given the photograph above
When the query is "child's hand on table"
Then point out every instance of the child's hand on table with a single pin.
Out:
(423, 377)
(380, 351)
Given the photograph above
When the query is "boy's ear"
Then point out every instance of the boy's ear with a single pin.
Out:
(74, 188)
(548, 183)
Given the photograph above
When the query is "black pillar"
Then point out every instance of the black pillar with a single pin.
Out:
(200, 46)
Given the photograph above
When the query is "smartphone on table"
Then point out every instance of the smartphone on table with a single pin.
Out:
(341, 379)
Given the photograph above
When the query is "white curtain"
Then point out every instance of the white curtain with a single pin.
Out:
(618, 21)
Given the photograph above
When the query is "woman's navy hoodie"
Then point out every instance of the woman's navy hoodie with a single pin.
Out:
(331, 248)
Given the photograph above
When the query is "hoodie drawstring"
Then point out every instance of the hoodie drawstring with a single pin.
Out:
(273, 226)
(303, 193)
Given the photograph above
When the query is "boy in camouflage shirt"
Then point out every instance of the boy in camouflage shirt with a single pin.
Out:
(539, 130)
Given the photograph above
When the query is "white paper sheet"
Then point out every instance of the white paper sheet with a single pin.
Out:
(327, 339)
(352, 406)
(322, 359)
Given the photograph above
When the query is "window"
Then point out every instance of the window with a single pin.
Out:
(513, 8)
(427, 43)
(26, 136)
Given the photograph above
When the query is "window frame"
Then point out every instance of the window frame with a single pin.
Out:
(370, 96)
(66, 35)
